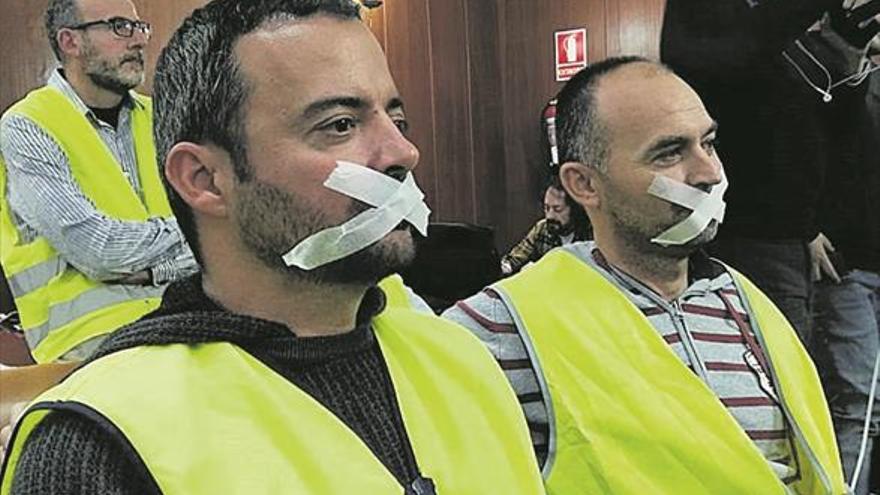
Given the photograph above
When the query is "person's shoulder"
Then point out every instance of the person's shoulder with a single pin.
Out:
(69, 450)
(485, 314)
(14, 121)
(23, 138)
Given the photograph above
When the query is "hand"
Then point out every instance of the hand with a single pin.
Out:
(8, 424)
(506, 269)
(857, 21)
(819, 259)
(874, 49)
(851, 4)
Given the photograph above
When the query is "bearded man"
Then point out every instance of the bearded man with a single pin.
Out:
(564, 222)
(89, 242)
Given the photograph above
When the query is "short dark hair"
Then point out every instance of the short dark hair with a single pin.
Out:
(580, 134)
(577, 215)
(199, 92)
(59, 14)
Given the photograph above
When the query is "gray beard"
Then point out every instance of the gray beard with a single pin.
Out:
(111, 83)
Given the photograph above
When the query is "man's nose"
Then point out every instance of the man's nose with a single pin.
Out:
(392, 150)
(705, 170)
(138, 39)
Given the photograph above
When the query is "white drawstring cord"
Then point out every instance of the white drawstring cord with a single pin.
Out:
(864, 445)
(863, 72)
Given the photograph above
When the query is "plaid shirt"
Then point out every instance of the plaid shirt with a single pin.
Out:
(538, 242)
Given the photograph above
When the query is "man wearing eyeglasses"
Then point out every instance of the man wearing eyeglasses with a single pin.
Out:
(88, 239)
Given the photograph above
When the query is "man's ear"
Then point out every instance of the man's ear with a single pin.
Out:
(580, 182)
(69, 43)
(197, 173)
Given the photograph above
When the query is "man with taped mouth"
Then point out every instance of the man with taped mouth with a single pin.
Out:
(642, 365)
(283, 368)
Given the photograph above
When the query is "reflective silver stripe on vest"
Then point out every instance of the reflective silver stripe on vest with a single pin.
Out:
(88, 302)
(35, 277)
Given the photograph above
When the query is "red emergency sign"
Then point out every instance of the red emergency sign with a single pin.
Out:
(571, 52)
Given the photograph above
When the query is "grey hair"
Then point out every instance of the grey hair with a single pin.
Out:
(60, 14)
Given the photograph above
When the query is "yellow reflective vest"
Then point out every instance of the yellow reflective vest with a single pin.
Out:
(60, 307)
(211, 419)
(396, 295)
(627, 416)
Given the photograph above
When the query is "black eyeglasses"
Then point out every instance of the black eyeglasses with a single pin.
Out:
(123, 27)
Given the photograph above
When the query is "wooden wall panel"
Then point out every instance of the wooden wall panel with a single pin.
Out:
(25, 57)
(453, 132)
(165, 17)
(634, 27)
(486, 114)
(444, 55)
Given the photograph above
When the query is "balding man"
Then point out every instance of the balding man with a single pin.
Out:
(642, 365)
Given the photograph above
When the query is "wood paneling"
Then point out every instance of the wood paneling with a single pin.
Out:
(475, 75)
(165, 16)
(486, 114)
(25, 57)
(634, 27)
(443, 54)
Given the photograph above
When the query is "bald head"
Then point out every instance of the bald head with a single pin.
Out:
(581, 134)
(631, 101)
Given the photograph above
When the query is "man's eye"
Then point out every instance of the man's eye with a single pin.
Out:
(402, 124)
(670, 156)
(342, 125)
(710, 146)
(121, 24)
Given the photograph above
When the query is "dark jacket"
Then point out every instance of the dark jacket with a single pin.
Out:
(773, 125)
(850, 215)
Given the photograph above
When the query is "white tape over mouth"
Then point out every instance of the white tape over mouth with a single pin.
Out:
(392, 202)
(705, 208)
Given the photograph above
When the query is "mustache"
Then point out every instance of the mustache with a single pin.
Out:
(133, 57)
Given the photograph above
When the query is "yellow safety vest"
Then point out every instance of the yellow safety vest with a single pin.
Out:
(211, 419)
(59, 306)
(396, 295)
(627, 416)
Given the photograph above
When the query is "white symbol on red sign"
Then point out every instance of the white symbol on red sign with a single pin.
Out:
(571, 52)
